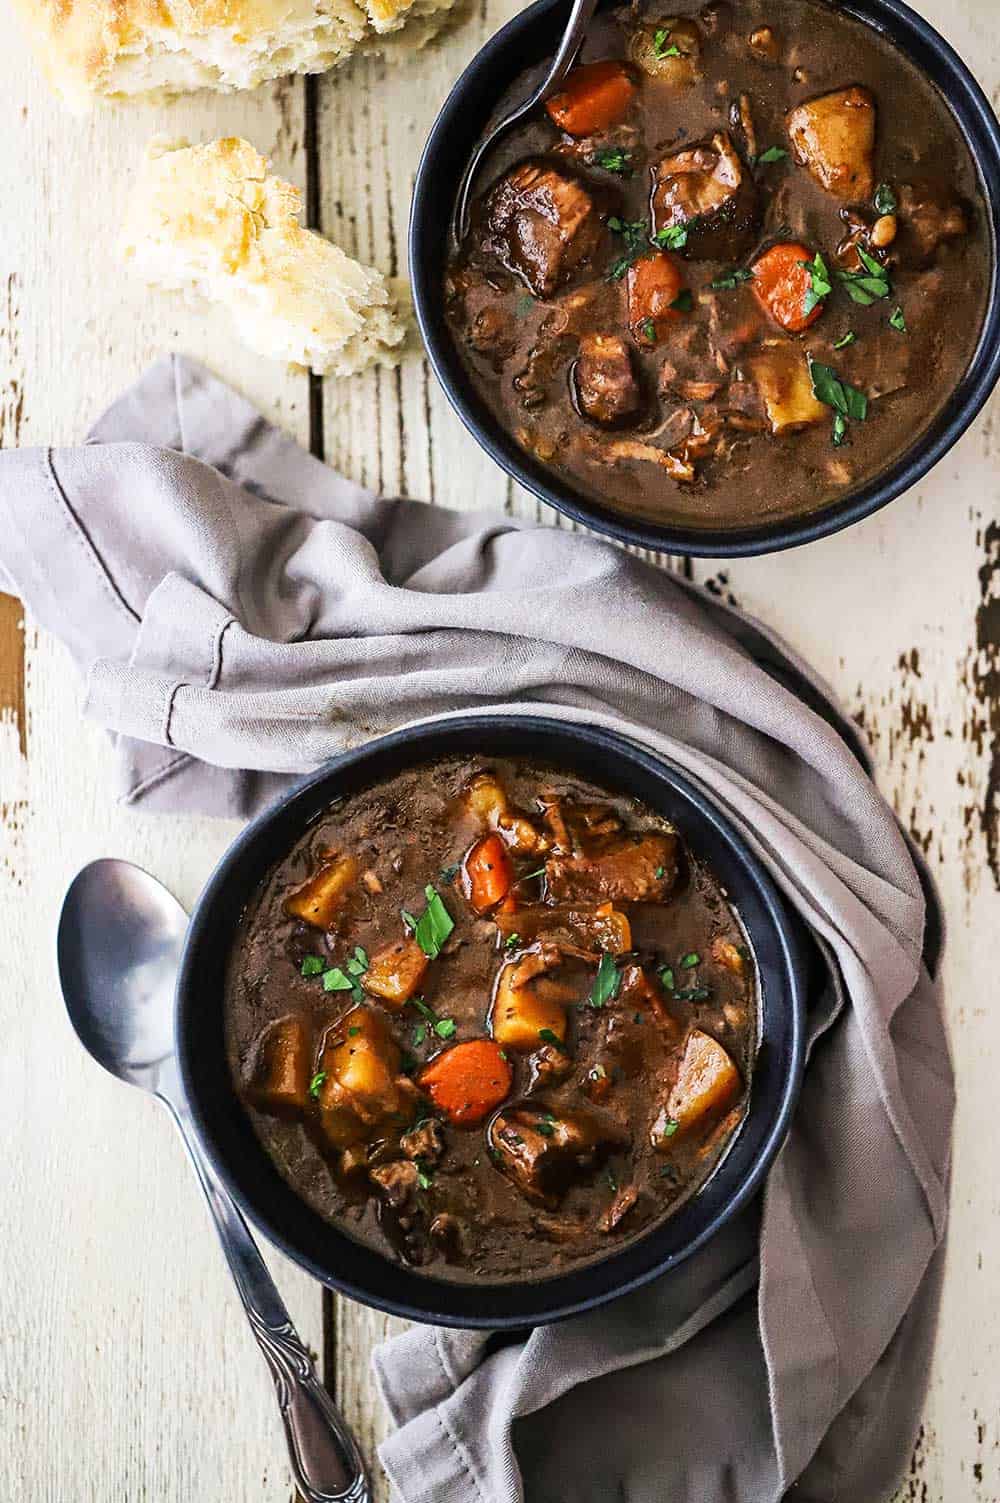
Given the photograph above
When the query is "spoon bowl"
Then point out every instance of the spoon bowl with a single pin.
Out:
(118, 947)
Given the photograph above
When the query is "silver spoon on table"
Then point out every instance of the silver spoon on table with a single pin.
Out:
(119, 948)
(579, 20)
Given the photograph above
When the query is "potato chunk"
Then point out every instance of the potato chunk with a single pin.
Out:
(707, 1085)
(669, 50)
(781, 375)
(834, 136)
(527, 1004)
(358, 1069)
(279, 1074)
(316, 902)
(489, 802)
(396, 972)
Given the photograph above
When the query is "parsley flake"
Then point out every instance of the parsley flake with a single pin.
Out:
(848, 338)
(334, 980)
(548, 1037)
(316, 1083)
(772, 154)
(662, 46)
(684, 301)
(898, 321)
(820, 285)
(732, 278)
(885, 200)
(612, 159)
(312, 965)
(670, 1128)
(433, 926)
(606, 982)
(671, 237)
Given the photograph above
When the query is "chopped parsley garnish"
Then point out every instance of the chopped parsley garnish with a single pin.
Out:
(866, 287)
(361, 957)
(660, 873)
(671, 237)
(884, 200)
(313, 966)
(606, 982)
(634, 233)
(846, 400)
(733, 278)
(773, 154)
(334, 980)
(662, 46)
(848, 338)
(684, 301)
(512, 941)
(898, 321)
(820, 285)
(316, 1083)
(667, 977)
(612, 159)
(419, 1035)
(690, 960)
(424, 1179)
(546, 1125)
(648, 330)
(539, 872)
(548, 1037)
(693, 994)
(443, 1027)
(433, 926)
(352, 1033)
(670, 1128)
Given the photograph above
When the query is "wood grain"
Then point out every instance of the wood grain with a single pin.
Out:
(127, 1372)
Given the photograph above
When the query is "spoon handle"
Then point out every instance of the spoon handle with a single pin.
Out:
(576, 25)
(325, 1459)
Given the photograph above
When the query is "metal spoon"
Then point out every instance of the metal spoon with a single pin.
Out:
(119, 948)
(579, 20)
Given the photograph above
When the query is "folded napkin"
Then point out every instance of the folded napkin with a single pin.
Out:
(241, 613)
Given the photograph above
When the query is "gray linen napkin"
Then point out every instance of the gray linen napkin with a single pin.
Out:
(241, 614)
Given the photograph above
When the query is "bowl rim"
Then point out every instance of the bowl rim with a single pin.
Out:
(978, 124)
(449, 1303)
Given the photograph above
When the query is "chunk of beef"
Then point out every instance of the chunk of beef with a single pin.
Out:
(607, 390)
(745, 407)
(643, 870)
(625, 1199)
(616, 450)
(425, 1142)
(707, 188)
(735, 322)
(398, 1182)
(543, 1154)
(834, 137)
(930, 216)
(542, 224)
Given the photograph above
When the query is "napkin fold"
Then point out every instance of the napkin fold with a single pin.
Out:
(240, 613)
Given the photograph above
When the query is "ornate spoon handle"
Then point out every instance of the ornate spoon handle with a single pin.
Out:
(325, 1458)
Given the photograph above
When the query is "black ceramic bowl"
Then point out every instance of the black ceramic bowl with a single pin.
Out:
(332, 1255)
(531, 38)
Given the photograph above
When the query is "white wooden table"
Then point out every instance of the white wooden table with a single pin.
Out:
(126, 1371)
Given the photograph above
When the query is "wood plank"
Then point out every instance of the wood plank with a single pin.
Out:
(127, 1370)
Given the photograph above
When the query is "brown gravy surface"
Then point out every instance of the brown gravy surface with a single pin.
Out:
(521, 350)
(462, 1212)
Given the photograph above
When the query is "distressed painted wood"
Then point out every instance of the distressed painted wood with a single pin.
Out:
(126, 1370)
(129, 1372)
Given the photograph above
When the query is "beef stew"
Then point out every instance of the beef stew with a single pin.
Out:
(492, 1020)
(732, 271)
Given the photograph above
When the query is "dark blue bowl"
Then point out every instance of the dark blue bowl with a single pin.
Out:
(332, 1255)
(533, 36)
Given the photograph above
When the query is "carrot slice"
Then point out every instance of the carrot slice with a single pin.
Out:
(782, 283)
(488, 873)
(654, 285)
(467, 1081)
(595, 96)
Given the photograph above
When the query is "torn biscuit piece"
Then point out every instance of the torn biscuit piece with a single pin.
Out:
(155, 49)
(210, 220)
